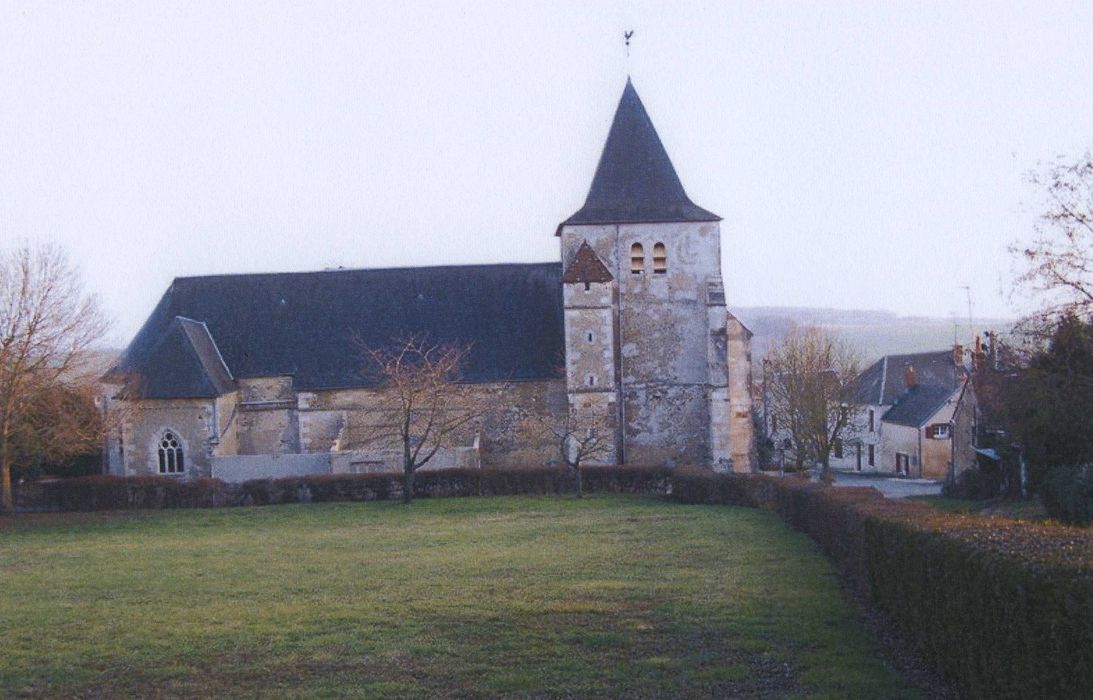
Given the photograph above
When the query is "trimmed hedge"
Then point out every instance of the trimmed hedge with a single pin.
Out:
(155, 492)
(1003, 609)
(977, 484)
(135, 492)
(1067, 494)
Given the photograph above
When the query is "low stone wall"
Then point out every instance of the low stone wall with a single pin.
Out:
(238, 468)
(390, 461)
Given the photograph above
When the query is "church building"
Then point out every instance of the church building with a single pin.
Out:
(262, 375)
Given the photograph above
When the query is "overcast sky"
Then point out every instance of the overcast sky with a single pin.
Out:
(863, 155)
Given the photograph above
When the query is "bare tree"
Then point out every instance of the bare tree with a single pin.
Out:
(1058, 263)
(47, 325)
(811, 391)
(422, 406)
(581, 440)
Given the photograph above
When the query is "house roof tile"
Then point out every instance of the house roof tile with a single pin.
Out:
(586, 267)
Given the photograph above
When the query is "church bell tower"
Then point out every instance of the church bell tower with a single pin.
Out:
(643, 264)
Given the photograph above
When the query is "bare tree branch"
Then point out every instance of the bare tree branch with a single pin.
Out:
(421, 406)
(811, 381)
(47, 382)
(1056, 264)
(579, 439)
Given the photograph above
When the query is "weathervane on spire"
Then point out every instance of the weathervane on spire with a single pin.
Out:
(626, 35)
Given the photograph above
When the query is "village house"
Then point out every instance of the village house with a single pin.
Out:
(918, 417)
(257, 375)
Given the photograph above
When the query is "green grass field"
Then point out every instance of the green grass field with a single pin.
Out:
(603, 597)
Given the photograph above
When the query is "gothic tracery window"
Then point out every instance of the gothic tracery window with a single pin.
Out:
(170, 454)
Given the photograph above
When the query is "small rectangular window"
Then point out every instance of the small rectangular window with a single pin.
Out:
(872, 425)
(872, 456)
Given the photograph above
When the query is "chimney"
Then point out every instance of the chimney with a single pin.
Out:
(958, 355)
(909, 376)
(977, 356)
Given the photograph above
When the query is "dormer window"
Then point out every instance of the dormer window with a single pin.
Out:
(660, 259)
(637, 259)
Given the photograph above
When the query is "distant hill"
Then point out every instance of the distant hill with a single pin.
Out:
(874, 333)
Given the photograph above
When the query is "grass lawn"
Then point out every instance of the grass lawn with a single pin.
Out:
(603, 597)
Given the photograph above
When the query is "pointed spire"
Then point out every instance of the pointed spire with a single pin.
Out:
(586, 267)
(635, 181)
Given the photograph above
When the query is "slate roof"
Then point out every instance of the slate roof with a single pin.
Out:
(187, 361)
(916, 406)
(883, 382)
(635, 181)
(305, 325)
(586, 267)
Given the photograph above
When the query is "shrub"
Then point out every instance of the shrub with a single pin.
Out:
(1004, 609)
(977, 484)
(1067, 494)
(1001, 608)
(537, 481)
(321, 488)
(117, 492)
(102, 492)
(626, 479)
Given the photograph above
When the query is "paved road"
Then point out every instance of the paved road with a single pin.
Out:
(890, 486)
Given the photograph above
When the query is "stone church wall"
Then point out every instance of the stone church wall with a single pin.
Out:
(191, 420)
(666, 369)
(741, 424)
(514, 431)
(268, 431)
(667, 425)
(267, 418)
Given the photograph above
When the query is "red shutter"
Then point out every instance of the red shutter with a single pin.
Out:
(930, 432)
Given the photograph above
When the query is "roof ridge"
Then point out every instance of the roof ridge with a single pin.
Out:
(920, 354)
(404, 268)
(212, 341)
